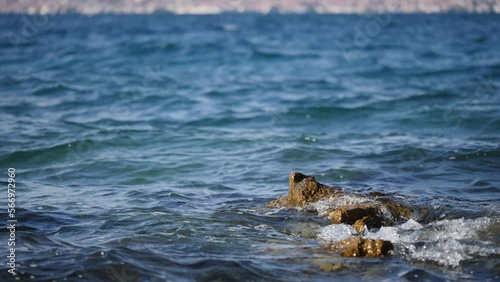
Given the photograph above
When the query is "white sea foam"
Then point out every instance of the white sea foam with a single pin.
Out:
(323, 206)
(446, 242)
(336, 232)
(411, 225)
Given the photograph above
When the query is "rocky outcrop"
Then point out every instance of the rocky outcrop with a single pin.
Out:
(303, 189)
(369, 221)
(367, 214)
(361, 247)
(374, 210)
(398, 210)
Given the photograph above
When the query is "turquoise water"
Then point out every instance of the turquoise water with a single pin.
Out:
(146, 147)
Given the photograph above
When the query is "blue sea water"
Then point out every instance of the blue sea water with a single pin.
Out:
(147, 146)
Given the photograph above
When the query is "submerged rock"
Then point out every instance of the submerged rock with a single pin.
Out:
(361, 247)
(398, 210)
(333, 267)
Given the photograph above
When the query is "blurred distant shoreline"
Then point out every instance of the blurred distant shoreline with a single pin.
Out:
(242, 6)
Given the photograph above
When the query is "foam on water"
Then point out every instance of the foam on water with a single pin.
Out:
(446, 242)
(336, 232)
(324, 206)
(411, 224)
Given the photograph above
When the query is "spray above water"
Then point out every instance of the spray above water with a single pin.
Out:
(445, 242)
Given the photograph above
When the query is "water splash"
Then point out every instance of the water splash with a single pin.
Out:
(445, 242)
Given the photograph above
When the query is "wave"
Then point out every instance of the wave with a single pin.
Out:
(42, 156)
(54, 89)
(426, 97)
(280, 54)
(150, 47)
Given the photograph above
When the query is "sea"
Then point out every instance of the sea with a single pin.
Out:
(146, 147)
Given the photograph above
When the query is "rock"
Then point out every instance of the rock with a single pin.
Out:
(332, 267)
(372, 210)
(350, 215)
(305, 230)
(368, 221)
(398, 210)
(359, 225)
(376, 194)
(303, 189)
(362, 247)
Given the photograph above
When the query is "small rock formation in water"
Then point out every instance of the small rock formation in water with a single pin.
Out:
(304, 189)
(375, 211)
(361, 247)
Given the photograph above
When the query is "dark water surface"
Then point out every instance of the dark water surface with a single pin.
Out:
(146, 147)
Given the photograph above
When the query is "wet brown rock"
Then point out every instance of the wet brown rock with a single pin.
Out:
(351, 214)
(303, 189)
(361, 247)
(333, 267)
(372, 210)
(376, 194)
(398, 210)
(368, 221)
(282, 201)
(359, 225)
